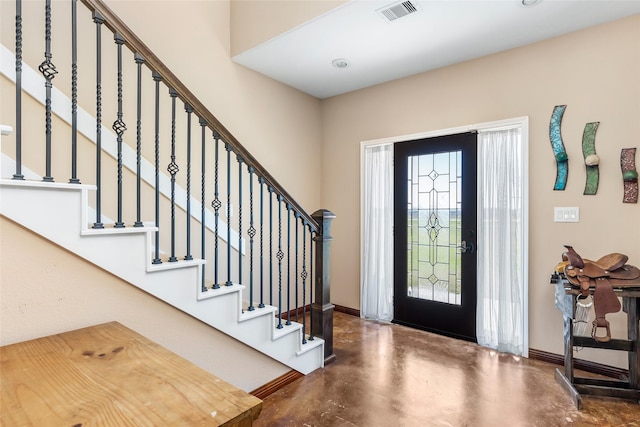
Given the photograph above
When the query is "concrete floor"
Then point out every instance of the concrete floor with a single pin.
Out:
(391, 375)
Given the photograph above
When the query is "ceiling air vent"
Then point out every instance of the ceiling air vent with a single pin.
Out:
(398, 10)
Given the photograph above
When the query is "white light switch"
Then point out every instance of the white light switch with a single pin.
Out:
(566, 214)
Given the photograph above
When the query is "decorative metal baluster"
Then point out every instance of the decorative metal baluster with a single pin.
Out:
(270, 189)
(228, 148)
(296, 215)
(304, 281)
(216, 204)
(261, 305)
(311, 281)
(99, 20)
(18, 174)
(139, 61)
(280, 256)
(189, 110)
(251, 232)
(203, 229)
(157, 79)
(239, 218)
(173, 170)
(288, 264)
(119, 127)
(74, 94)
(49, 71)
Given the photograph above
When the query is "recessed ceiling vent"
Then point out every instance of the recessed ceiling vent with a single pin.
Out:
(398, 10)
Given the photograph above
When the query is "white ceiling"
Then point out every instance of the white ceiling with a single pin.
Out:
(441, 33)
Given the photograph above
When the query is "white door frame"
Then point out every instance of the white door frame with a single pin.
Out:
(517, 122)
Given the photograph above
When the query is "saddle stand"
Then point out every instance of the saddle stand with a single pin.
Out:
(601, 276)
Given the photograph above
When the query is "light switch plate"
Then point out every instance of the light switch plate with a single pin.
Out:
(566, 214)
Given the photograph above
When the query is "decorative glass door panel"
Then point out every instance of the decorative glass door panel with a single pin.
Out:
(433, 226)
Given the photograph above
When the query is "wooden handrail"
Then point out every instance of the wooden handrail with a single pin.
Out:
(115, 24)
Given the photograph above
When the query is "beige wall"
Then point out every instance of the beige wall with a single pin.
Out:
(254, 22)
(47, 290)
(595, 72)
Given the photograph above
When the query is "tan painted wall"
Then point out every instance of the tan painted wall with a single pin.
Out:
(254, 22)
(47, 290)
(595, 72)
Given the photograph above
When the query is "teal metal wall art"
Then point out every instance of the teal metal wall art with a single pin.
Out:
(629, 175)
(562, 160)
(591, 159)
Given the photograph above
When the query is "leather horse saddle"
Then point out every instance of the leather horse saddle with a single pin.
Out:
(602, 276)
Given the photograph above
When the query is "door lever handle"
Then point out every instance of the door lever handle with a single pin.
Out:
(466, 247)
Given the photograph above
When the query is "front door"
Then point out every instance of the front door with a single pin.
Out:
(434, 234)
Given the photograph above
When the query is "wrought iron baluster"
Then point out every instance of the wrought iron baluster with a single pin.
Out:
(311, 281)
(119, 127)
(270, 189)
(296, 215)
(304, 281)
(280, 256)
(18, 174)
(49, 71)
(173, 170)
(228, 148)
(157, 79)
(203, 229)
(288, 264)
(216, 204)
(139, 61)
(189, 110)
(261, 305)
(99, 20)
(239, 218)
(251, 232)
(74, 94)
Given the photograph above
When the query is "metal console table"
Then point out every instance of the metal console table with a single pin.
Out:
(577, 386)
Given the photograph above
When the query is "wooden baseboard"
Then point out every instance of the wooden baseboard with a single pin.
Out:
(275, 385)
(584, 365)
(292, 314)
(346, 310)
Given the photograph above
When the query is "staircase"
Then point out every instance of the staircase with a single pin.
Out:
(246, 272)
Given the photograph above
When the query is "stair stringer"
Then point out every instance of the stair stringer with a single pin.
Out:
(58, 212)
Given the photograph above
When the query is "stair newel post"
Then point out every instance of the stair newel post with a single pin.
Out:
(203, 216)
(189, 110)
(74, 94)
(303, 275)
(157, 79)
(280, 256)
(251, 232)
(288, 206)
(173, 170)
(322, 309)
(229, 149)
(18, 175)
(296, 217)
(261, 180)
(119, 127)
(49, 71)
(216, 204)
(99, 20)
(139, 61)
(239, 158)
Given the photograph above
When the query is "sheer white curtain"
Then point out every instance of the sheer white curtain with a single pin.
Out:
(377, 234)
(500, 240)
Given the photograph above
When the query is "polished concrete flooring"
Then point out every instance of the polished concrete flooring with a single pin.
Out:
(391, 375)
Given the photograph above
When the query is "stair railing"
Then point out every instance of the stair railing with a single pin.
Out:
(298, 270)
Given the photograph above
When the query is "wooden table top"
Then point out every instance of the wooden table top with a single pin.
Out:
(109, 375)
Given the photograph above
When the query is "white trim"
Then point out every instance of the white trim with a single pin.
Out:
(33, 84)
(521, 122)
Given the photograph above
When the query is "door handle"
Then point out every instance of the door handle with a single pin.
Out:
(466, 247)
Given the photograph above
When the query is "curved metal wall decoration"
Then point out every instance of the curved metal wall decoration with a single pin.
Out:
(629, 175)
(591, 159)
(562, 163)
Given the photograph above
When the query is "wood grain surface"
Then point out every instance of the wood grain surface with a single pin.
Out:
(108, 375)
